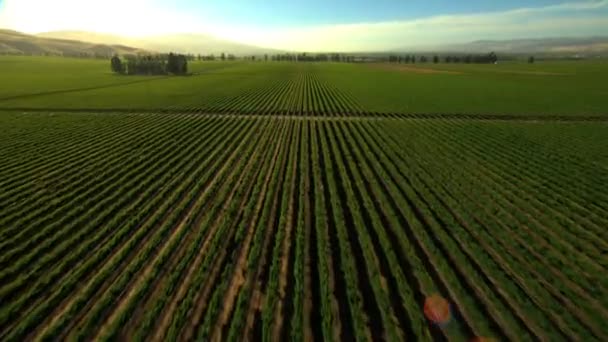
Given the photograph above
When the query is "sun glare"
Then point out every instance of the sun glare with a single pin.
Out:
(110, 16)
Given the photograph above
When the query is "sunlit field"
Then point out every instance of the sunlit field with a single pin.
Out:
(509, 88)
(295, 201)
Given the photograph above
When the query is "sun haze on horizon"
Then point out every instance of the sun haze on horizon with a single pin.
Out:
(316, 25)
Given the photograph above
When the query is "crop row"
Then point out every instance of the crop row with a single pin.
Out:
(298, 93)
(187, 226)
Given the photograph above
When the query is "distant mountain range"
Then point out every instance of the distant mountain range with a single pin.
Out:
(182, 43)
(584, 46)
(12, 42)
(74, 43)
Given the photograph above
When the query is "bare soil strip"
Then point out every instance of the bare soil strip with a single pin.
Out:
(405, 262)
(241, 273)
(288, 241)
(313, 320)
(165, 320)
(68, 302)
(241, 269)
(128, 293)
(556, 293)
(201, 301)
(420, 248)
(175, 258)
(321, 232)
(254, 307)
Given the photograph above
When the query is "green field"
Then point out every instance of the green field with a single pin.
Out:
(510, 88)
(286, 201)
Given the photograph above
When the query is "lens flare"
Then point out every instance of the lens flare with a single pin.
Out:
(482, 339)
(437, 310)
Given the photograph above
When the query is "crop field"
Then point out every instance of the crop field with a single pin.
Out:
(186, 226)
(285, 201)
(548, 89)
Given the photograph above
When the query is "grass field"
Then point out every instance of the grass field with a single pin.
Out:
(545, 88)
(277, 201)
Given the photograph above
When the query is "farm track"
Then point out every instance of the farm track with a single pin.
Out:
(289, 212)
(351, 112)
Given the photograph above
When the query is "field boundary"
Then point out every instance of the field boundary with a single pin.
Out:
(319, 116)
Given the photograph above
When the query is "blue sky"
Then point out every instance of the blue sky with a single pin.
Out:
(287, 13)
(315, 25)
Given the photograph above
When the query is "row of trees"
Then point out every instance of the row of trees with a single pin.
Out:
(335, 57)
(478, 59)
(211, 57)
(161, 64)
(178, 64)
(304, 57)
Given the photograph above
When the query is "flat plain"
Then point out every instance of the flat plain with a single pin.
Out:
(574, 88)
(277, 201)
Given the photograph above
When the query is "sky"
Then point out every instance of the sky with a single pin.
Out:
(317, 25)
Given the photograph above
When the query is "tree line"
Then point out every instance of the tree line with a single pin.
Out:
(178, 64)
(161, 64)
(305, 57)
(489, 58)
(211, 57)
(336, 57)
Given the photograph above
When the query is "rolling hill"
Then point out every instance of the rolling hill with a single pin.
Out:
(76, 43)
(558, 46)
(17, 43)
(183, 43)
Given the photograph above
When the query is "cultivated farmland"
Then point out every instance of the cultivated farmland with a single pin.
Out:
(293, 201)
(182, 226)
(546, 90)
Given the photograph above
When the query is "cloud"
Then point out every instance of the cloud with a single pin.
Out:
(567, 19)
(580, 5)
(149, 17)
